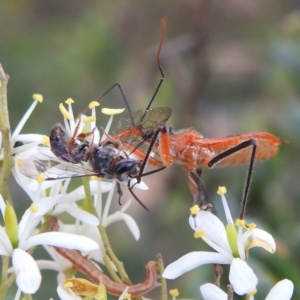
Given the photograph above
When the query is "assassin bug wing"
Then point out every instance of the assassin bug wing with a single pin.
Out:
(155, 117)
(140, 126)
(44, 162)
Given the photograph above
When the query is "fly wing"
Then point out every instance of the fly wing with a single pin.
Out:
(140, 126)
(43, 161)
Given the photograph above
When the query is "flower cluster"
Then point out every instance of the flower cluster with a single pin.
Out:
(51, 198)
(231, 244)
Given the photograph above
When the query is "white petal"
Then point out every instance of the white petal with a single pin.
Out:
(28, 138)
(107, 128)
(61, 239)
(259, 238)
(62, 262)
(79, 214)
(132, 225)
(242, 277)
(48, 265)
(130, 222)
(2, 205)
(212, 226)
(26, 227)
(25, 118)
(210, 291)
(45, 204)
(28, 274)
(142, 185)
(282, 290)
(124, 293)
(126, 205)
(66, 294)
(79, 192)
(5, 244)
(94, 234)
(193, 260)
(4, 252)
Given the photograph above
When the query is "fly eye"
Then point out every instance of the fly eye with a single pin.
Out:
(125, 167)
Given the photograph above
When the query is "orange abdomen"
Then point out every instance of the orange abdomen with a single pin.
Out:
(191, 150)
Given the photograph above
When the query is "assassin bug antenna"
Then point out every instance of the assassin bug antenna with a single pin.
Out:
(119, 86)
(163, 34)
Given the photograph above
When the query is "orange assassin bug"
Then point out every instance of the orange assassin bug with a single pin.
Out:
(190, 149)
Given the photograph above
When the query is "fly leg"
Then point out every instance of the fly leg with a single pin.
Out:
(91, 146)
(72, 141)
(233, 150)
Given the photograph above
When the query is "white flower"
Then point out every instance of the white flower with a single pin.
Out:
(282, 290)
(106, 219)
(31, 139)
(25, 267)
(51, 197)
(231, 246)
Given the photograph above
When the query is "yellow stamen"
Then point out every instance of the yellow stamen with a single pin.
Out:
(20, 162)
(174, 293)
(69, 101)
(38, 97)
(40, 178)
(251, 226)
(111, 111)
(65, 113)
(34, 208)
(45, 140)
(88, 119)
(199, 234)
(240, 223)
(194, 209)
(127, 296)
(222, 190)
(93, 104)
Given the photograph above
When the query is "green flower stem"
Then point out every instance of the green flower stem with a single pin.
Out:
(89, 206)
(6, 282)
(88, 202)
(7, 163)
(110, 269)
(163, 282)
(109, 251)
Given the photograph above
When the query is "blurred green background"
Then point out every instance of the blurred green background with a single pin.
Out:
(231, 67)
